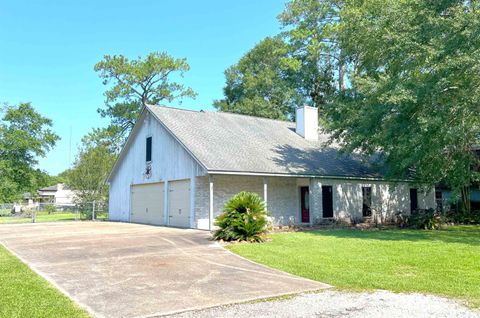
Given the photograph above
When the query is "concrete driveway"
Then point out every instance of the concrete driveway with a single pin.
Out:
(130, 270)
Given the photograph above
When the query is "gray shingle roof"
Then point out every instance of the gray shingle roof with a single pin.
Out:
(244, 144)
(50, 188)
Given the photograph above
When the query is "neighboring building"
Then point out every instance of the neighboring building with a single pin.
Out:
(446, 201)
(28, 199)
(202, 159)
(58, 194)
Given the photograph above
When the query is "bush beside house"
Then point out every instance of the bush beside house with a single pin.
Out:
(244, 218)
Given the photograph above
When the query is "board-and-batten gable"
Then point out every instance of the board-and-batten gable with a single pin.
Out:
(170, 159)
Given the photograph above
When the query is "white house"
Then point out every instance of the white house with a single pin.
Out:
(179, 167)
(58, 194)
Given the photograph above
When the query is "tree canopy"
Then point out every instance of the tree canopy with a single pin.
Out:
(262, 83)
(92, 165)
(415, 87)
(135, 83)
(399, 78)
(311, 29)
(25, 135)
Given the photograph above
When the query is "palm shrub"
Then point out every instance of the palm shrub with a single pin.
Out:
(244, 218)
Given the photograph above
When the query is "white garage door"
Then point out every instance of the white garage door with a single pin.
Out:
(179, 203)
(147, 203)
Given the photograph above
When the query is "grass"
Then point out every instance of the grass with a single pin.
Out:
(445, 262)
(41, 217)
(25, 294)
(46, 217)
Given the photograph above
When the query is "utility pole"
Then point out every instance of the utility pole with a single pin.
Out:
(70, 149)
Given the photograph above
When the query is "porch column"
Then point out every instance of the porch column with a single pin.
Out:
(166, 219)
(265, 192)
(210, 213)
(193, 182)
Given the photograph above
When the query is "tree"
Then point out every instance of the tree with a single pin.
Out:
(261, 83)
(415, 88)
(312, 27)
(90, 170)
(138, 82)
(25, 135)
(305, 64)
(109, 137)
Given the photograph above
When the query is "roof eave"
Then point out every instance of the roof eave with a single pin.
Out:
(127, 143)
(300, 175)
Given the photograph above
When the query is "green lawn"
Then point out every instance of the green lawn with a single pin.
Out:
(445, 262)
(25, 294)
(45, 217)
(41, 217)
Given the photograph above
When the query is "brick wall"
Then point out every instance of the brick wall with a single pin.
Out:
(387, 199)
(282, 196)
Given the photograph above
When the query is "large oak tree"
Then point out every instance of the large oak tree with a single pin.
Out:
(415, 87)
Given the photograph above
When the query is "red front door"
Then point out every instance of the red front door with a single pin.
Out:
(305, 204)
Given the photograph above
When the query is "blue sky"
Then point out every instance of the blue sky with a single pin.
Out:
(48, 50)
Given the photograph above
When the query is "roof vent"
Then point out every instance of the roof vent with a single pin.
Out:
(307, 122)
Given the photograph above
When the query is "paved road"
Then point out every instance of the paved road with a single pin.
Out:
(130, 270)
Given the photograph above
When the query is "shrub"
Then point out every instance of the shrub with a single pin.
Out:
(426, 219)
(244, 218)
(401, 219)
(50, 208)
(86, 214)
(6, 212)
(26, 213)
(463, 217)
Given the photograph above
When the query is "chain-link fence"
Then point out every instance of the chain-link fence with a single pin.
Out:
(48, 212)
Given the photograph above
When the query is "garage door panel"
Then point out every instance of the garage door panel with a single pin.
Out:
(179, 203)
(147, 203)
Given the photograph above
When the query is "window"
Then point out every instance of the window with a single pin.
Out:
(367, 201)
(327, 201)
(439, 200)
(413, 200)
(149, 149)
(304, 193)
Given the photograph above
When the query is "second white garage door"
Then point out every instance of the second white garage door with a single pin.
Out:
(179, 203)
(147, 203)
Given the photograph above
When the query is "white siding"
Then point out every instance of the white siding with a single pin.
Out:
(170, 161)
(64, 197)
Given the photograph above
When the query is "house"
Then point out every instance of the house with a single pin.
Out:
(179, 167)
(58, 194)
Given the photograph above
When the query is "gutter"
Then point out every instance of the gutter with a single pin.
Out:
(269, 174)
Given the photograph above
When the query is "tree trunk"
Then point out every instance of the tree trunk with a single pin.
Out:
(341, 76)
(465, 204)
